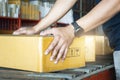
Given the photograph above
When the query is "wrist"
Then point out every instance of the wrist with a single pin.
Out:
(78, 30)
(71, 29)
(40, 26)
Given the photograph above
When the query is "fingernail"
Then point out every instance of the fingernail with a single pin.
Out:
(41, 33)
(46, 52)
(56, 62)
(15, 33)
(51, 58)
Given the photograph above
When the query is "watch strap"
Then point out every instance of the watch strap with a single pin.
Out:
(77, 28)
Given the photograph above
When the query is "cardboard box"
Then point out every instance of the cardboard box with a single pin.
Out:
(102, 46)
(27, 53)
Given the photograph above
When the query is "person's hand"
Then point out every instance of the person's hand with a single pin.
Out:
(25, 30)
(63, 37)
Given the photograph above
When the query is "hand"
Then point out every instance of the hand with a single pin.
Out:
(25, 30)
(63, 37)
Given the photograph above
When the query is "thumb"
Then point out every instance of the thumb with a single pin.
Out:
(19, 32)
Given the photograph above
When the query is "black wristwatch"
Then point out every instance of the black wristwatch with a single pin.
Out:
(77, 29)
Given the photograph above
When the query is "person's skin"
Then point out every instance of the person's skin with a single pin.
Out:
(60, 8)
(63, 36)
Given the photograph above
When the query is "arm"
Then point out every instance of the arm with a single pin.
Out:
(60, 8)
(105, 10)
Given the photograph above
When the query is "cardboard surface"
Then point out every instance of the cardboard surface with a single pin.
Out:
(27, 53)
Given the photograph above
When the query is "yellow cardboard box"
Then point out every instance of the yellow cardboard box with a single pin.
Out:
(27, 53)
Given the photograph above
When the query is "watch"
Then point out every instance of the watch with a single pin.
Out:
(78, 30)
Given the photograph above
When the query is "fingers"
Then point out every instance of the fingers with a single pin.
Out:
(52, 45)
(60, 54)
(59, 45)
(24, 30)
(20, 31)
(59, 50)
(65, 54)
(56, 50)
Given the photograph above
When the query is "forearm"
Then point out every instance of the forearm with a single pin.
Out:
(105, 10)
(60, 8)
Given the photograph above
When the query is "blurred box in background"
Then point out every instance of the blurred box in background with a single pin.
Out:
(102, 46)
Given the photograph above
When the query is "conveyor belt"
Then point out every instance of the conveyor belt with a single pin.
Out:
(71, 74)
